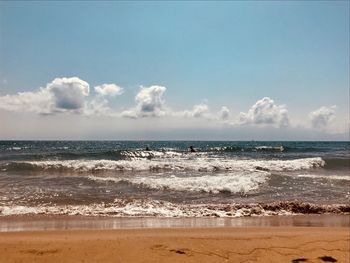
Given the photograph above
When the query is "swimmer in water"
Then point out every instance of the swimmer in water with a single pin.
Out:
(192, 150)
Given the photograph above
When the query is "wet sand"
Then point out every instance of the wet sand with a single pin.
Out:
(62, 222)
(249, 244)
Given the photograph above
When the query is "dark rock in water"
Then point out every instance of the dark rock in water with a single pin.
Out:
(328, 259)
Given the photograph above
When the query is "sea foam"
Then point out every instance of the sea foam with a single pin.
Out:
(216, 183)
(153, 208)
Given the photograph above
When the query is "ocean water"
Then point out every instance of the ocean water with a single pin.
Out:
(221, 179)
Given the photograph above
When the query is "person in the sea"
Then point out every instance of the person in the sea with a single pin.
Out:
(191, 149)
(147, 148)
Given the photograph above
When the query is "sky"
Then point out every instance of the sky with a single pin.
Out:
(174, 70)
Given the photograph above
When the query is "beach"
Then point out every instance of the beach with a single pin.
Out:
(115, 201)
(311, 238)
(251, 244)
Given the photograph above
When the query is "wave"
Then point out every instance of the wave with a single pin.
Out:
(16, 148)
(328, 177)
(111, 154)
(153, 208)
(94, 155)
(151, 154)
(270, 148)
(81, 152)
(233, 183)
(174, 164)
(262, 148)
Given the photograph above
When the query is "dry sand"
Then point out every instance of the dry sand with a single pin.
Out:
(252, 244)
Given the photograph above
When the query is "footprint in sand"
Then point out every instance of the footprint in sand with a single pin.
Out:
(328, 259)
(178, 251)
(41, 252)
(324, 258)
(297, 260)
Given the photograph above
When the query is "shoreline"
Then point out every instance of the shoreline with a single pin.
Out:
(24, 223)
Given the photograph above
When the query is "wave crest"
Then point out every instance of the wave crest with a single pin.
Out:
(175, 164)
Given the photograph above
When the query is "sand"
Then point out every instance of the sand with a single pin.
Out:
(225, 244)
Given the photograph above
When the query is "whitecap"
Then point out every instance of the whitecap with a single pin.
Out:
(233, 183)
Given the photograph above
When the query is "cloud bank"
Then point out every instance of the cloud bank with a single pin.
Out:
(38, 102)
(71, 95)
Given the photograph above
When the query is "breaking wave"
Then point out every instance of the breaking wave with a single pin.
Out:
(152, 208)
(171, 164)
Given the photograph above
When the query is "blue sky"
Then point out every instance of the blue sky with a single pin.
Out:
(217, 54)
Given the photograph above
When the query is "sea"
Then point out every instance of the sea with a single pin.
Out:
(166, 179)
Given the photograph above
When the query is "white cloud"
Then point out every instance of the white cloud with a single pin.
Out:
(202, 111)
(224, 113)
(37, 102)
(68, 93)
(198, 111)
(60, 95)
(265, 112)
(150, 103)
(99, 107)
(321, 117)
(150, 100)
(108, 90)
(130, 114)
